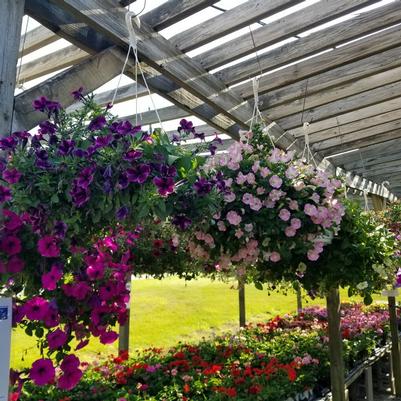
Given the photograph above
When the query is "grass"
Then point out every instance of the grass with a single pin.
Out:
(164, 312)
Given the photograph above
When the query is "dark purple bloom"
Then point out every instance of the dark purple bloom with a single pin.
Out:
(165, 186)
(35, 141)
(5, 194)
(203, 186)
(85, 177)
(122, 213)
(42, 154)
(46, 127)
(123, 128)
(182, 222)
(186, 125)
(21, 135)
(176, 138)
(103, 141)
(79, 196)
(123, 180)
(11, 176)
(53, 140)
(108, 172)
(139, 174)
(66, 147)
(91, 150)
(53, 107)
(212, 149)
(107, 186)
(218, 140)
(167, 171)
(133, 155)
(77, 94)
(109, 106)
(40, 103)
(8, 143)
(60, 229)
(97, 123)
(146, 138)
(199, 135)
(43, 164)
(80, 153)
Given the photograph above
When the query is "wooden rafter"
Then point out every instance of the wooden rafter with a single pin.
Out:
(35, 39)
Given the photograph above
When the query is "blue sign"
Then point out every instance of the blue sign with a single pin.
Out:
(3, 312)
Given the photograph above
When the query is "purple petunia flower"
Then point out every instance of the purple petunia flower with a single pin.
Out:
(8, 143)
(123, 181)
(139, 174)
(35, 141)
(103, 141)
(165, 186)
(85, 177)
(80, 153)
(107, 187)
(40, 104)
(46, 127)
(60, 229)
(97, 123)
(203, 186)
(5, 194)
(167, 171)
(66, 147)
(77, 94)
(199, 135)
(186, 125)
(11, 176)
(122, 213)
(218, 140)
(182, 222)
(53, 140)
(80, 196)
(132, 155)
(212, 149)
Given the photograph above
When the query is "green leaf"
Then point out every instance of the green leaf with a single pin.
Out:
(258, 285)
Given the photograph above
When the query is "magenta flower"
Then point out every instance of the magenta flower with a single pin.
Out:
(15, 265)
(13, 221)
(165, 186)
(11, 176)
(97, 123)
(52, 317)
(70, 362)
(42, 372)
(108, 337)
(95, 271)
(69, 379)
(132, 155)
(275, 181)
(47, 247)
(103, 141)
(50, 279)
(139, 174)
(5, 194)
(56, 339)
(36, 308)
(79, 290)
(11, 245)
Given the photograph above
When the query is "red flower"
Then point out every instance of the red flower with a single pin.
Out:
(255, 389)
(186, 388)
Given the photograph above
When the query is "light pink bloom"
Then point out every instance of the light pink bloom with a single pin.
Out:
(275, 257)
(247, 198)
(310, 210)
(315, 197)
(230, 197)
(221, 226)
(296, 223)
(284, 214)
(256, 204)
(233, 218)
(290, 231)
(256, 166)
(313, 255)
(239, 233)
(299, 185)
(241, 178)
(250, 177)
(264, 172)
(275, 181)
(275, 156)
(291, 172)
(260, 190)
(293, 205)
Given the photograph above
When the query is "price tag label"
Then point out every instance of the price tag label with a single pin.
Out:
(5, 341)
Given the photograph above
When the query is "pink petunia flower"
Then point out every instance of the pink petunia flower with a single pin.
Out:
(50, 279)
(284, 214)
(275, 257)
(47, 247)
(69, 379)
(275, 181)
(108, 337)
(290, 231)
(56, 339)
(11, 245)
(36, 308)
(42, 372)
(233, 218)
(15, 265)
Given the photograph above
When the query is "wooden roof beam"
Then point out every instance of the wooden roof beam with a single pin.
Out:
(314, 43)
(279, 30)
(228, 22)
(35, 39)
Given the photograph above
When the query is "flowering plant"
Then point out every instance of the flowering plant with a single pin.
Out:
(272, 360)
(277, 210)
(359, 257)
(77, 195)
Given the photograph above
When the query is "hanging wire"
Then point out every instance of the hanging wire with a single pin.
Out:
(19, 69)
(133, 40)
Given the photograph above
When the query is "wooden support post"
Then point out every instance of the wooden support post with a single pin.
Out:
(11, 13)
(123, 340)
(369, 384)
(299, 298)
(335, 345)
(241, 302)
(395, 346)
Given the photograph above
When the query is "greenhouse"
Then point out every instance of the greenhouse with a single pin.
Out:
(199, 200)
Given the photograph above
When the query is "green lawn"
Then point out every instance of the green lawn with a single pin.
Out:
(171, 310)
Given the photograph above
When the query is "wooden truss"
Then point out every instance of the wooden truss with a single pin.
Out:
(345, 79)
